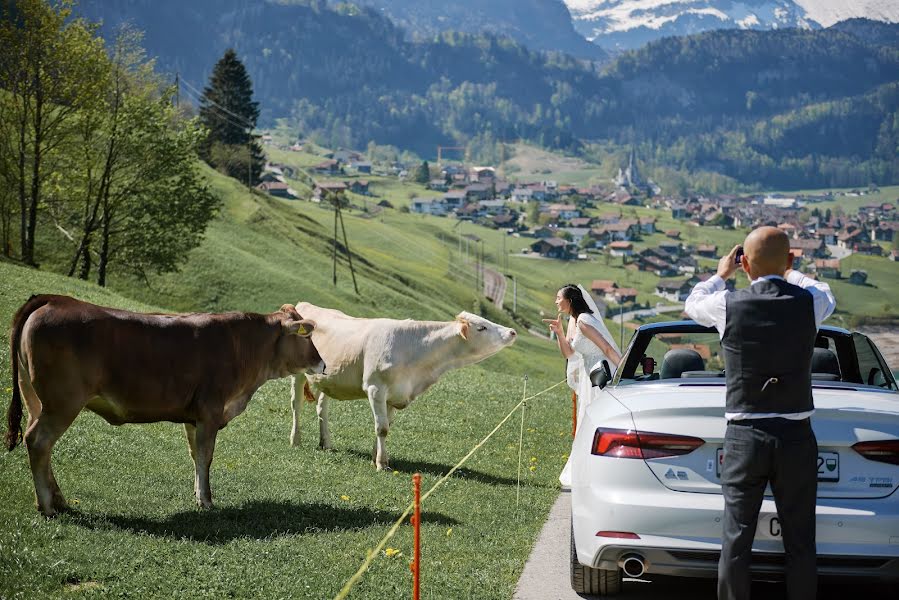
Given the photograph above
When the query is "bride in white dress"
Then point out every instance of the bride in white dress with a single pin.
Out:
(587, 342)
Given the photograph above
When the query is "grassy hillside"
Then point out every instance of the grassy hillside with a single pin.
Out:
(289, 522)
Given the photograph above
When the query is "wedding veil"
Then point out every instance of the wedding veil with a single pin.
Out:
(600, 325)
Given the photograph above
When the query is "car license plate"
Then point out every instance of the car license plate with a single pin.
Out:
(768, 527)
(828, 465)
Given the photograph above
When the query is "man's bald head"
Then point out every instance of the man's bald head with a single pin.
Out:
(767, 249)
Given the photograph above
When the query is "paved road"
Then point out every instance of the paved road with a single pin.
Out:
(494, 286)
(546, 574)
(837, 252)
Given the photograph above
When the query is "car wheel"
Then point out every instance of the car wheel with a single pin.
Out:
(587, 580)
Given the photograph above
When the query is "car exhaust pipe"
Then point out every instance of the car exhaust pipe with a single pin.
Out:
(633, 565)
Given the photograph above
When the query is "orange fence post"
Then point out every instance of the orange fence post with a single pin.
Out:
(573, 413)
(416, 544)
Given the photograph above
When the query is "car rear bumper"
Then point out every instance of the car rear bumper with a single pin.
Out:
(704, 563)
(680, 532)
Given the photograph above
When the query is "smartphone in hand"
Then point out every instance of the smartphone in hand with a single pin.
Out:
(738, 255)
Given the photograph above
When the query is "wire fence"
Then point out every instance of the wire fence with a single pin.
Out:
(366, 564)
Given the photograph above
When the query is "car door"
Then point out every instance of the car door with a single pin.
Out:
(872, 367)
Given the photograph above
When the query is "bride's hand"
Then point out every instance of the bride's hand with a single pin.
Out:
(555, 325)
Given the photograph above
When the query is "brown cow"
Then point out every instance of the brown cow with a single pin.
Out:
(196, 369)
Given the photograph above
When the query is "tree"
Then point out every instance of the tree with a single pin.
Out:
(229, 113)
(422, 173)
(134, 198)
(50, 68)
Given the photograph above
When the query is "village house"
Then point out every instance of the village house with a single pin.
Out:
(577, 233)
(469, 212)
(438, 185)
(522, 195)
(563, 211)
(580, 222)
(477, 191)
(809, 247)
(621, 249)
(656, 265)
(849, 239)
(506, 221)
(454, 199)
(361, 166)
(327, 167)
(623, 232)
(482, 175)
(429, 206)
(707, 250)
(828, 267)
(827, 234)
(358, 186)
(278, 189)
(624, 295)
(858, 277)
(868, 248)
(674, 234)
(323, 188)
(603, 288)
(885, 231)
(675, 290)
(552, 248)
(492, 207)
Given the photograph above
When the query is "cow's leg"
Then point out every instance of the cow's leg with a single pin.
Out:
(40, 438)
(377, 397)
(204, 442)
(321, 409)
(296, 405)
(191, 433)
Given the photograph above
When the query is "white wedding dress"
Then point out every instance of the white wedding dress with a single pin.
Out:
(586, 356)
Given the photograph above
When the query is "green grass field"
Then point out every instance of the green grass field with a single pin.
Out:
(289, 522)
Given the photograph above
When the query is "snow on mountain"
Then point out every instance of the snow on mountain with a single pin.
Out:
(624, 24)
(828, 12)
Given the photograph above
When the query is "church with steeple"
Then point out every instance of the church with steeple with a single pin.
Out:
(629, 178)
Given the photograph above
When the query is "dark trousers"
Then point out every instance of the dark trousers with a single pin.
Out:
(784, 453)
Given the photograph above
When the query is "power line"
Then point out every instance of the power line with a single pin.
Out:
(206, 99)
(218, 114)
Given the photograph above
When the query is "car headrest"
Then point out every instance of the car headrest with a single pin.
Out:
(675, 362)
(825, 361)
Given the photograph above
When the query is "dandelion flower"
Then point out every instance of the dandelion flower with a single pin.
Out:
(449, 532)
(533, 467)
(391, 552)
(533, 459)
(345, 498)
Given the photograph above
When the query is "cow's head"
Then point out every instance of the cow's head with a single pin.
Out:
(295, 349)
(484, 337)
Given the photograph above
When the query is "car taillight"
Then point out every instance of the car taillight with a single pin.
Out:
(621, 535)
(886, 451)
(628, 443)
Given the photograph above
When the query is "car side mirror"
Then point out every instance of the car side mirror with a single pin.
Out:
(601, 375)
(649, 365)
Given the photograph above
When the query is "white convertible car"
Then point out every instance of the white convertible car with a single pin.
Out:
(645, 494)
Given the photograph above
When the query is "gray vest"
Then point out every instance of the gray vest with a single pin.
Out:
(768, 342)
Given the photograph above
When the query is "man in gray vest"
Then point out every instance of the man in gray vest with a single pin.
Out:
(768, 335)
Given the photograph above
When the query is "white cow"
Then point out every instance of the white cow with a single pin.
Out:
(390, 362)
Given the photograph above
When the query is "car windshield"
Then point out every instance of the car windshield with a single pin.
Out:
(685, 350)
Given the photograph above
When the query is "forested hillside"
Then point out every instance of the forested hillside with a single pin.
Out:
(783, 108)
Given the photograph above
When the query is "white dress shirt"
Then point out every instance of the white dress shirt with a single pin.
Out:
(707, 306)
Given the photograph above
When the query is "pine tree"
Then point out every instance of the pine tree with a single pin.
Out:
(229, 113)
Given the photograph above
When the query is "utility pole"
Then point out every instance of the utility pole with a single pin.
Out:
(177, 90)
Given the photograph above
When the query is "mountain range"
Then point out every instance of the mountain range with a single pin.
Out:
(783, 108)
(625, 24)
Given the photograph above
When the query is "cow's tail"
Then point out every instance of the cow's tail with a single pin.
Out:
(14, 413)
(307, 392)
